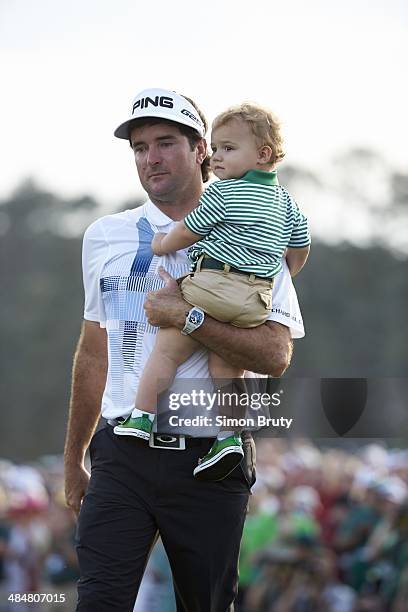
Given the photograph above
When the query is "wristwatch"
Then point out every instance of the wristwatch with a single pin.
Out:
(194, 318)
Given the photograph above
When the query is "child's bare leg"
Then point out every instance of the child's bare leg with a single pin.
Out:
(231, 380)
(171, 349)
(226, 453)
(219, 368)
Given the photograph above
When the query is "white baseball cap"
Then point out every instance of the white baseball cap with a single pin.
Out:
(164, 104)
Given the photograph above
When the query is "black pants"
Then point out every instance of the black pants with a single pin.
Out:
(137, 492)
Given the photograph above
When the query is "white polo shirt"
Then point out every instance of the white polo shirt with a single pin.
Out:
(119, 268)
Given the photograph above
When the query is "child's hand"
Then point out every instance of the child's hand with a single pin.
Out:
(296, 259)
(156, 243)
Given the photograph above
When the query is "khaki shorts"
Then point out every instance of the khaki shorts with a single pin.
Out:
(239, 299)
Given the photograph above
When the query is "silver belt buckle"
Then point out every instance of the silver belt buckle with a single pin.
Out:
(167, 441)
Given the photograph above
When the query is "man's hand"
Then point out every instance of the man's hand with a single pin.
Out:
(166, 307)
(156, 243)
(76, 483)
(266, 349)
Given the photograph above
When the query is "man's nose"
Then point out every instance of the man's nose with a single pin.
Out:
(153, 156)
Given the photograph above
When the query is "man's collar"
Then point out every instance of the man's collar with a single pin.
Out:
(155, 216)
(261, 177)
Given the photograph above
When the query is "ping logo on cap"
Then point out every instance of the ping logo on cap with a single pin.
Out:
(164, 104)
(164, 101)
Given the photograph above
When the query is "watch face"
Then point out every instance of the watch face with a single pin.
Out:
(196, 317)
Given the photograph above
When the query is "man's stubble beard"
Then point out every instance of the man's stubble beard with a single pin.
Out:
(178, 194)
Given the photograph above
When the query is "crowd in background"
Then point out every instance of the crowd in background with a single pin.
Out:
(327, 531)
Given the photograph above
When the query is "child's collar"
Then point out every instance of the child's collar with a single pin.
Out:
(262, 177)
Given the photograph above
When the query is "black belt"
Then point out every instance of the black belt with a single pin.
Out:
(177, 441)
(208, 263)
(169, 440)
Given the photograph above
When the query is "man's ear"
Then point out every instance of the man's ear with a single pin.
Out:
(265, 155)
(201, 151)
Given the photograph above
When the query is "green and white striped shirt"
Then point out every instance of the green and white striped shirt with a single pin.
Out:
(248, 223)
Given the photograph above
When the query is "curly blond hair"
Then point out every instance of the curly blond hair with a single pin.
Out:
(263, 123)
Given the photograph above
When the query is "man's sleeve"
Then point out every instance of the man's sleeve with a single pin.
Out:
(209, 212)
(285, 305)
(300, 236)
(93, 254)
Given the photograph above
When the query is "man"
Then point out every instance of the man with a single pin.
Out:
(137, 491)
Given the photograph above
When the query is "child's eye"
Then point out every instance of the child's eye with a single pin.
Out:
(214, 149)
(228, 148)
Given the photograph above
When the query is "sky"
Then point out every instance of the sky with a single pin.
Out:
(334, 72)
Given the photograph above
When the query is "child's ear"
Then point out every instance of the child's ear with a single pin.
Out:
(265, 155)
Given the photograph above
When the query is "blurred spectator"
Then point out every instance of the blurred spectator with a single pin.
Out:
(61, 564)
(261, 528)
(28, 535)
(327, 531)
(336, 540)
(156, 590)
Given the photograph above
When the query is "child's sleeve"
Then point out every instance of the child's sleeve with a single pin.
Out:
(300, 236)
(209, 212)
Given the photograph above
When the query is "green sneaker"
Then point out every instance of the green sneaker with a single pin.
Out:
(140, 427)
(221, 459)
